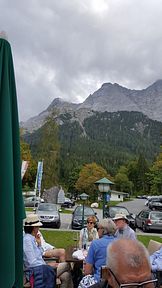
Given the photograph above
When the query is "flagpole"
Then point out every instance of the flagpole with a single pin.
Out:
(36, 181)
(39, 178)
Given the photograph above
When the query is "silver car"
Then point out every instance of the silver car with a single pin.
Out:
(49, 215)
(32, 201)
(149, 220)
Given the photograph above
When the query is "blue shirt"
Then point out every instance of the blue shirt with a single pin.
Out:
(126, 232)
(156, 260)
(97, 254)
(32, 253)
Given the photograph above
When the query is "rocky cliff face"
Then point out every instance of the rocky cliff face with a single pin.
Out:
(111, 98)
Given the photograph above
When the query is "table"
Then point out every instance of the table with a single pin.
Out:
(69, 257)
(76, 265)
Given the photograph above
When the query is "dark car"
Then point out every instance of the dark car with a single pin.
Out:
(77, 215)
(68, 203)
(49, 215)
(113, 210)
(155, 204)
(141, 196)
(149, 220)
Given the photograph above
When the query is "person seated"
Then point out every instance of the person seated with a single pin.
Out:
(123, 229)
(88, 233)
(127, 265)
(97, 253)
(50, 251)
(33, 252)
(156, 260)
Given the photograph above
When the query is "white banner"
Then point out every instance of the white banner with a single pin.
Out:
(24, 167)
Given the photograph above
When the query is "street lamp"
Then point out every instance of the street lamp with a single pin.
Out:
(83, 197)
(104, 187)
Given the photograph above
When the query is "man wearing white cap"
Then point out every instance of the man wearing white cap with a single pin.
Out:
(123, 229)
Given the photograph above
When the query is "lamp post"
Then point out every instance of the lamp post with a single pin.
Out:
(83, 197)
(104, 187)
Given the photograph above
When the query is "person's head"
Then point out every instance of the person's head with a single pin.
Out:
(120, 221)
(106, 227)
(91, 221)
(128, 262)
(32, 224)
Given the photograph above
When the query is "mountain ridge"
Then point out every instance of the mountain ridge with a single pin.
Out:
(110, 139)
(109, 97)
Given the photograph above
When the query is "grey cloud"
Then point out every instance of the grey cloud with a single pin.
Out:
(68, 48)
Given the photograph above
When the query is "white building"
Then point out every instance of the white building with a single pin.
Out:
(117, 195)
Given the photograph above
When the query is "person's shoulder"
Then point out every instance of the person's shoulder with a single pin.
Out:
(26, 235)
(27, 238)
(130, 229)
(94, 242)
(99, 241)
(94, 230)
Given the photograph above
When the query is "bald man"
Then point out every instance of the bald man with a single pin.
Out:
(128, 266)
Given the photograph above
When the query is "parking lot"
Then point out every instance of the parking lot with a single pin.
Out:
(134, 206)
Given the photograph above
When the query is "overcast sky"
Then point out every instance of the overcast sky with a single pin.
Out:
(69, 48)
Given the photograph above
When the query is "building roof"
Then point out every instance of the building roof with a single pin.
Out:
(104, 181)
(118, 192)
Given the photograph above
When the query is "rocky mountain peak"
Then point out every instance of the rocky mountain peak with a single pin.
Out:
(112, 86)
(156, 86)
(59, 103)
(109, 97)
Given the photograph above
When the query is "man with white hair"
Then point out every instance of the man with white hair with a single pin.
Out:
(97, 253)
(128, 266)
(123, 229)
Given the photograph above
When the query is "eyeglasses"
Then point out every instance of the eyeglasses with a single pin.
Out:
(90, 222)
(145, 284)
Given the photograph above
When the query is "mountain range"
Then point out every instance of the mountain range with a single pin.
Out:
(111, 98)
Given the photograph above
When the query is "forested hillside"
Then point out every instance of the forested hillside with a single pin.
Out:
(109, 139)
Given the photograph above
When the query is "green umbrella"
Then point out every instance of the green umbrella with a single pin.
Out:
(11, 201)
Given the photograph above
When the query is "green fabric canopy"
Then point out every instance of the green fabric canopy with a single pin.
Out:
(11, 201)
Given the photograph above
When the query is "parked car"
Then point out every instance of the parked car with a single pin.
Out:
(32, 201)
(155, 204)
(49, 215)
(149, 220)
(113, 210)
(141, 196)
(150, 198)
(77, 214)
(68, 203)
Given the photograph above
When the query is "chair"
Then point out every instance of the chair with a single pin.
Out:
(41, 276)
(26, 283)
(152, 247)
(53, 259)
(104, 270)
(159, 278)
(101, 284)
